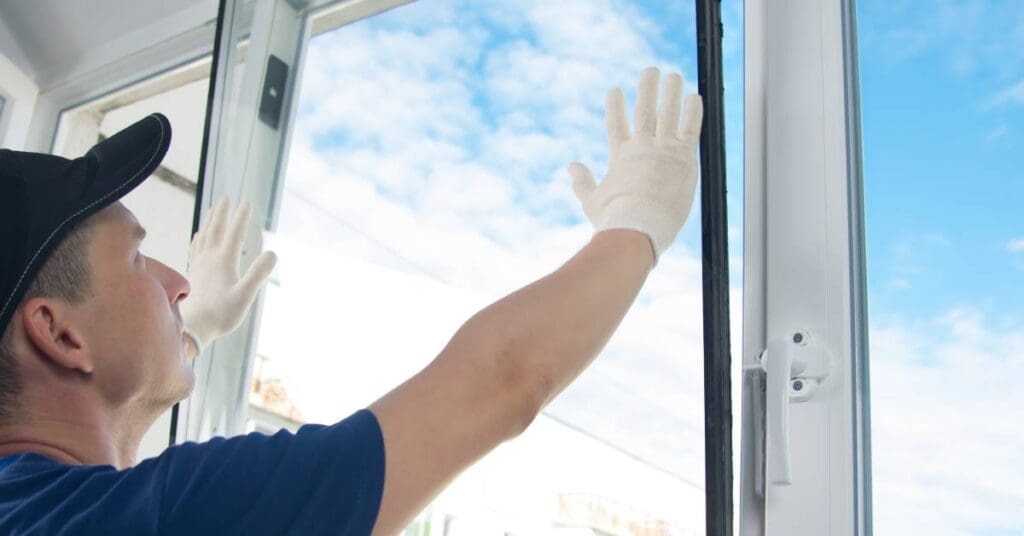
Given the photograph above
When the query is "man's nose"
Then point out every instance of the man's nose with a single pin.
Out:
(176, 285)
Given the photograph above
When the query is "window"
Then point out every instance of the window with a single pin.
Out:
(425, 179)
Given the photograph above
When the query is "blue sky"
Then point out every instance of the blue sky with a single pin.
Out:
(942, 108)
(433, 140)
(943, 153)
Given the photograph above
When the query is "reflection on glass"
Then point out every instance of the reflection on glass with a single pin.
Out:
(427, 179)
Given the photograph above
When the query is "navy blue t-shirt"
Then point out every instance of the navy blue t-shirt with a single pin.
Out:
(319, 480)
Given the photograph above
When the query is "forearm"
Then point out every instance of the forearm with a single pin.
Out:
(554, 327)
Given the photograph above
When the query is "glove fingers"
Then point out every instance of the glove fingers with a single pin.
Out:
(216, 223)
(250, 283)
(200, 239)
(236, 230)
(690, 133)
(646, 102)
(668, 116)
(197, 245)
(615, 119)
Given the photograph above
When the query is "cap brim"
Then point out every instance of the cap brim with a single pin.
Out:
(111, 169)
(118, 164)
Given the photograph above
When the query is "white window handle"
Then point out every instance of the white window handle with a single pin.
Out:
(793, 367)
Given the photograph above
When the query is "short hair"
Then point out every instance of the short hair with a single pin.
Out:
(65, 276)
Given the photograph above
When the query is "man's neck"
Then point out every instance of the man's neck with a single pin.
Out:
(76, 438)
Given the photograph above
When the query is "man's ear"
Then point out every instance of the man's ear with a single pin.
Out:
(49, 330)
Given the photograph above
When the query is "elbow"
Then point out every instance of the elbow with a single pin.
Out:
(519, 381)
(529, 385)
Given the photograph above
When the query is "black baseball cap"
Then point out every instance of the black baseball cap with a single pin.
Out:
(43, 197)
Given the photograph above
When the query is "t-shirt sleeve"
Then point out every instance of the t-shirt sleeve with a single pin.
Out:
(319, 480)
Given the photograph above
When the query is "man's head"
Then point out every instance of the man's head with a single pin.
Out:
(84, 313)
(64, 276)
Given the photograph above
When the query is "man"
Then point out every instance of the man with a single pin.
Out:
(97, 342)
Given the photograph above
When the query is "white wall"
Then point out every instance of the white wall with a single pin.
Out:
(20, 94)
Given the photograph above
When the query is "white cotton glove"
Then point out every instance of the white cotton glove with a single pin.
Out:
(652, 174)
(220, 298)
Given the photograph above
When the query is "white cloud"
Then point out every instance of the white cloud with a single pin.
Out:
(431, 144)
(996, 133)
(1012, 95)
(946, 402)
(899, 284)
(1015, 246)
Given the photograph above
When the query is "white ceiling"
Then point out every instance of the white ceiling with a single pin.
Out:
(53, 40)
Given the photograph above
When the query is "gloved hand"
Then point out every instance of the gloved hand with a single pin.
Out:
(220, 298)
(652, 174)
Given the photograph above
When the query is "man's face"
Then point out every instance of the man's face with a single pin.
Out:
(132, 321)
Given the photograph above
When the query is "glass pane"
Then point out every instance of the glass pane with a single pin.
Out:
(943, 105)
(426, 179)
(244, 150)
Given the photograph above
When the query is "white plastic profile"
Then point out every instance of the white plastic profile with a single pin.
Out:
(777, 362)
(805, 447)
(787, 361)
(245, 159)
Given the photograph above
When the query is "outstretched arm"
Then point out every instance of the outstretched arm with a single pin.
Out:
(514, 356)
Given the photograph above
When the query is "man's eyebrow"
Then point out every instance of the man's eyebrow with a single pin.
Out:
(139, 232)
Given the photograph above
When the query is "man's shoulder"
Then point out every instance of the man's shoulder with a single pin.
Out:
(358, 428)
(41, 495)
(319, 479)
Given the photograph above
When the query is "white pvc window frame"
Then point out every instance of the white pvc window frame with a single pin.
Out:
(805, 427)
(803, 236)
(245, 159)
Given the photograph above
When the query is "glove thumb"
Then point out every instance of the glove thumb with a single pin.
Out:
(583, 186)
(257, 274)
(582, 181)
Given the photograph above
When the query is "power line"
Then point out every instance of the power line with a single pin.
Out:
(338, 220)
